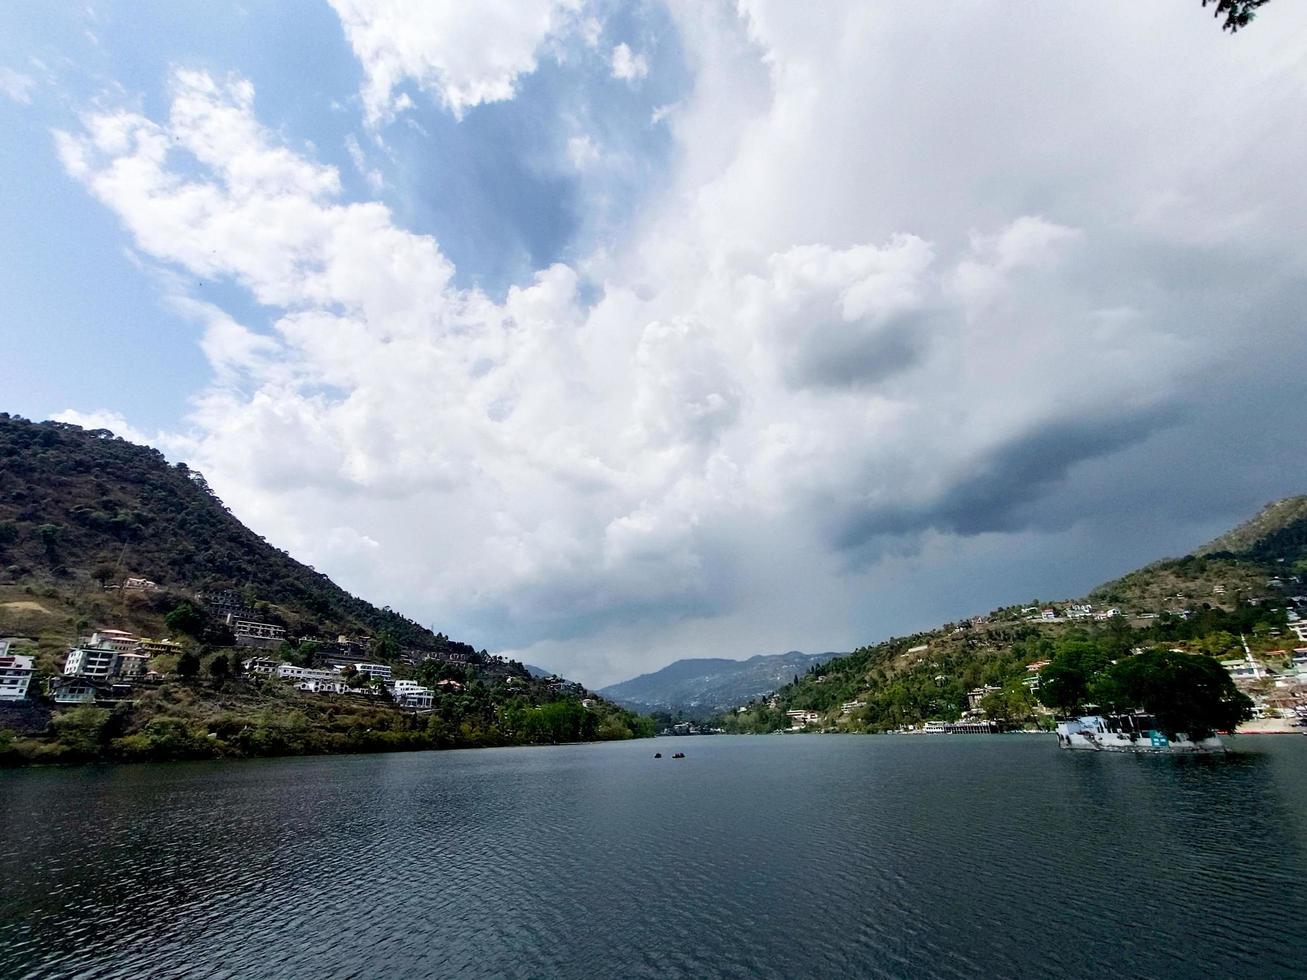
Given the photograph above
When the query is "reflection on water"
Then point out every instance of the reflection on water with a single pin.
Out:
(770, 856)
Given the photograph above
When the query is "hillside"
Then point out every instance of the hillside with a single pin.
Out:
(1277, 534)
(1247, 583)
(703, 687)
(100, 534)
(81, 509)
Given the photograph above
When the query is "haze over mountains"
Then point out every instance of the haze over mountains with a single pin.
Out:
(706, 686)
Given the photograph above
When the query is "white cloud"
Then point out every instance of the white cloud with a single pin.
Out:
(465, 54)
(628, 66)
(890, 299)
(582, 152)
(375, 180)
(16, 86)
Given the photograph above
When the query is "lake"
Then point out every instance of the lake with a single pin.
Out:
(769, 856)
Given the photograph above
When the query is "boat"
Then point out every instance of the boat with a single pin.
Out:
(1128, 733)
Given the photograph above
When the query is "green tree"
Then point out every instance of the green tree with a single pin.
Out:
(384, 647)
(188, 665)
(185, 619)
(1238, 13)
(219, 668)
(1062, 687)
(1187, 694)
(104, 573)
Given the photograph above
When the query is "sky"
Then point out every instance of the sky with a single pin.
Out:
(605, 334)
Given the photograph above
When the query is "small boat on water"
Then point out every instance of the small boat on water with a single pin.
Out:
(1128, 733)
(658, 755)
(678, 755)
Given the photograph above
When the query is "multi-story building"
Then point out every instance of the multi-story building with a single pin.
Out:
(411, 694)
(310, 679)
(248, 627)
(380, 672)
(91, 662)
(119, 640)
(15, 674)
(157, 647)
(261, 665)
(132, 666)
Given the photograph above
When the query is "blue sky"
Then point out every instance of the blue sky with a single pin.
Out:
(489, 187)
(608, 333)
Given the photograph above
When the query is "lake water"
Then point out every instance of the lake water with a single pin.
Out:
(813, 856)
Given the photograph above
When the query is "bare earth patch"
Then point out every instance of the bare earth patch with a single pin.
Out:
(25, 605)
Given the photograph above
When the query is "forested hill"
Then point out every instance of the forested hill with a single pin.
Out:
(705, 686)
(80, 509)
(1242, 588)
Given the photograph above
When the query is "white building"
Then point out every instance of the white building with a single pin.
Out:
(312, 679)
(380, 672)
(119, 640)
(94, 663)
(15, 674)
(802, 719)
(1300, 631)
(411, 694)
(261, 665)
(1246, 669)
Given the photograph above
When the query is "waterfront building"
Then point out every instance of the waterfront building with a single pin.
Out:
(15, 674)
(802, 719)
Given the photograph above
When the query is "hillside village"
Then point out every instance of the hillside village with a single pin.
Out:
(1240, 600)
(140, 619)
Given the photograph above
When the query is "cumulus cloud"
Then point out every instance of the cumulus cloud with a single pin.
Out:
(893, 301)
(627, 65)
(465, 54)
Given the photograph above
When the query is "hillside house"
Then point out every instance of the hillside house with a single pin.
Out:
(157, 648)
(77, 690)
(91, 663)
(140, 585)
(131, 666)
(15, 674)
(376, 672)
(1245, 669)
(411, 694)
(312, 680)
(119, 640)
(800, 719)
(251, 633)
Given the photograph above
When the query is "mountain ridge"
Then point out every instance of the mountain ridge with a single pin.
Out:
(707, 685)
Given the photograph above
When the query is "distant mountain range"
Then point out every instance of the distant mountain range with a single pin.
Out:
(707, 686)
